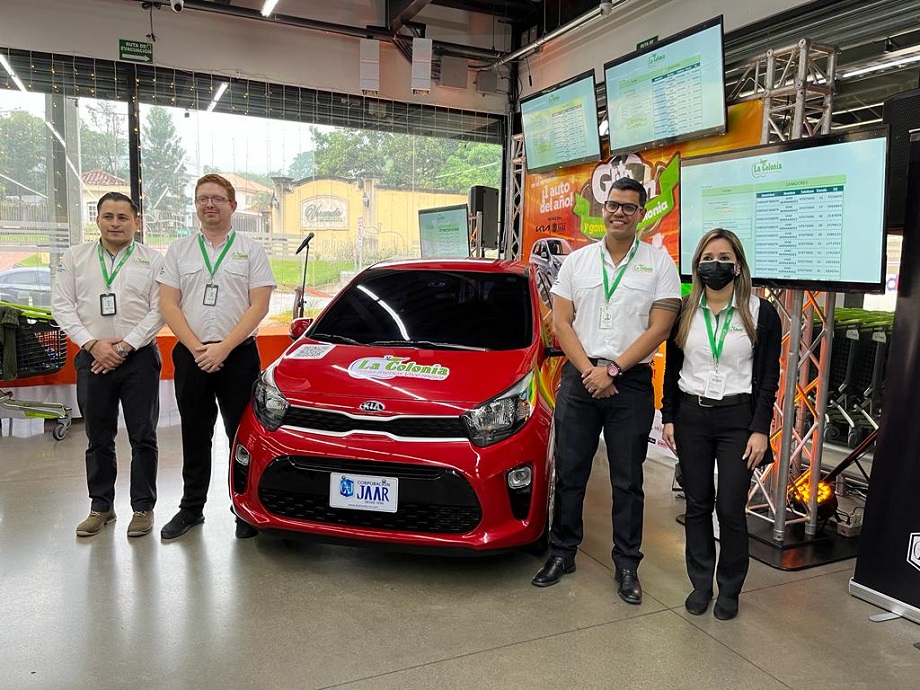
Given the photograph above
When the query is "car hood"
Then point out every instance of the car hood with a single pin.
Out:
(406, 380)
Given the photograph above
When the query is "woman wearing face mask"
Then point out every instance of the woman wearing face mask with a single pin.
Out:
(720, 383)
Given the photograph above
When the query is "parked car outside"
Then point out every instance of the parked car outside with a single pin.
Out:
(416, 411)
(26, 285)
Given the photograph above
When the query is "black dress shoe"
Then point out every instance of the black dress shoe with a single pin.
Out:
(725, 609)
(698, 602)
(181, 523)
(630, 590)
(552, 571)
(244, 530)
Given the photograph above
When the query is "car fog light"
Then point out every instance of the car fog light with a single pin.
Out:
(520, 477)
(242, 455)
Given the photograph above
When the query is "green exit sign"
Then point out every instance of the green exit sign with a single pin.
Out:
(647, 42)
(135, 51)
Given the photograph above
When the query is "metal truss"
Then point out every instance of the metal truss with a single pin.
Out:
(514, 207)
(796, 85)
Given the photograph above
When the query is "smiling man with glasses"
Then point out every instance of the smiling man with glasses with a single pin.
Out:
(614, 303)
(214, 292)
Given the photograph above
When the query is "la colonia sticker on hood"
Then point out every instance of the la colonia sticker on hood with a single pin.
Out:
(391, 366)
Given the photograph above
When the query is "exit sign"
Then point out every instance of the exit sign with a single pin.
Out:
(135, 51)
(647, 42)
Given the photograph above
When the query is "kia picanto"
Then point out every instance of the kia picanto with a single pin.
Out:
(415, 411)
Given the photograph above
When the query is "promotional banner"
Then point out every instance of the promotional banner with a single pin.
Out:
(888, 567)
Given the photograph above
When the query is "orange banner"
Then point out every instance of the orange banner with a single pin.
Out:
(562, 209)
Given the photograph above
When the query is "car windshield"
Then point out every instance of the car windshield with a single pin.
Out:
(431, 309)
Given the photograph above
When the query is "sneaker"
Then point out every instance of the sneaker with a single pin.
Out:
(141, 523)
(94, 523)
(181, 523)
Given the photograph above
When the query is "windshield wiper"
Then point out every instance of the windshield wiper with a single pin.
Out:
(332, 338)
(431, 344)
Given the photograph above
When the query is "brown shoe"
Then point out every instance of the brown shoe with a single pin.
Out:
(94, 523)
(141, 523)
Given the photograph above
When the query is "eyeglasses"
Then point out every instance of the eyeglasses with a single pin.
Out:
(614, 206)
(216, 200)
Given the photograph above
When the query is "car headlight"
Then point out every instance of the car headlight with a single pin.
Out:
(503, 415)
(268, 403)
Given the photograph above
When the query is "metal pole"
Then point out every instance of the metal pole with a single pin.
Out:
(792, 367)
(817, 438)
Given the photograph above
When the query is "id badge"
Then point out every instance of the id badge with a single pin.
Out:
(606, 318)
(715, 386)
(210, 295)
(107, 304)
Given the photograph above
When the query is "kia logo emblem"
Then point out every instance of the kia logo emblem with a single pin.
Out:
(371, 406)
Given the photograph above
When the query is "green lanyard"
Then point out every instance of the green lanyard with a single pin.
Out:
(713, 345)
(610, 289)
(204, 253)
(109, 279)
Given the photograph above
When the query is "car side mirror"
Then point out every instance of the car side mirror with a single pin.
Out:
(299, 326)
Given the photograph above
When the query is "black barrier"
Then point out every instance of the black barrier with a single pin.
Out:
(888, 567)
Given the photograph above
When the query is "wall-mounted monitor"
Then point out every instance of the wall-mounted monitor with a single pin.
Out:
(810, 212)
(444, 232)
(670, 91)
(560, 125)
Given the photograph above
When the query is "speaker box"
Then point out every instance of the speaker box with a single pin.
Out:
(485, 200)
(902, 114)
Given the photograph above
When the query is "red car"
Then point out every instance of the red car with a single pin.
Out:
(416, 410)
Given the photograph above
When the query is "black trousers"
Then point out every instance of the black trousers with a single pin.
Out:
(136, 385)
(626, 420)
(707, 437)
(198, 395)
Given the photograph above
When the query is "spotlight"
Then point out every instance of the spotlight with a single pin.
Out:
(177, 5)
(606, 8)
(798, 495)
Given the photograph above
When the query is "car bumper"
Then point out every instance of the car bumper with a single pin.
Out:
(452, 494)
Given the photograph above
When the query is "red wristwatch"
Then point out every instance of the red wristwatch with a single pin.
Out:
(614, 370)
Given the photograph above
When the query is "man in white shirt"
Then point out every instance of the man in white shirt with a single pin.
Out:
(614, 303)
(214, 291)
(106, 299)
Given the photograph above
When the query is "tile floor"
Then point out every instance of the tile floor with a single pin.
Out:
(209, 611)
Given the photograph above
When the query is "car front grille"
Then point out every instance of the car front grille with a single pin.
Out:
(406, 427)
(432, 500)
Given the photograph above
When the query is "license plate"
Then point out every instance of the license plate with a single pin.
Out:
(361, 492)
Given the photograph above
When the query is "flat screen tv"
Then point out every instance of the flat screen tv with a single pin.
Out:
(560, 125)
(810, 212)
(444, 232)
(670, 91)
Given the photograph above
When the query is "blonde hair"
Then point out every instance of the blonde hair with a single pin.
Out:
(742, 283)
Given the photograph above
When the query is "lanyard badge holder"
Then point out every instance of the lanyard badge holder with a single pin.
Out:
(107, 302)
(606, 315)
(715, 384)
(210, 290)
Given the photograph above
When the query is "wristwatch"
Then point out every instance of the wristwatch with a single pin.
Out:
(614, 370)
(122, 352)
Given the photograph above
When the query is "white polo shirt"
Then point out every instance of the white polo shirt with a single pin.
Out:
(79, 284)
(736, 361)
(650, 276)
(244, 267)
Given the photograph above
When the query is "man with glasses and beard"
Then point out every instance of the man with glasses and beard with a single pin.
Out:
(106, 299)
(614, 303)
(214, 292)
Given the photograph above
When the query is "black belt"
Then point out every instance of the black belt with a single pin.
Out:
(249, 341)
(727, 401)
(601, 362)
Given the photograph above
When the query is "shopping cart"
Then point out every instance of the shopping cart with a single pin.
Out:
(38, 346)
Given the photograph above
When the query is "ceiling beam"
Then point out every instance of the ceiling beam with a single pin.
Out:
(401, 12)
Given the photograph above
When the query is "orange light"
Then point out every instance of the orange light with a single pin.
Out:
(800, 492)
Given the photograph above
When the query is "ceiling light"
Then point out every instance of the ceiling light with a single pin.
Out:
(881, 66)
(9, 70)
(217, 96)
(268, 7)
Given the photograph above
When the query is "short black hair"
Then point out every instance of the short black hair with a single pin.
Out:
(116, 196)
(628, 184)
